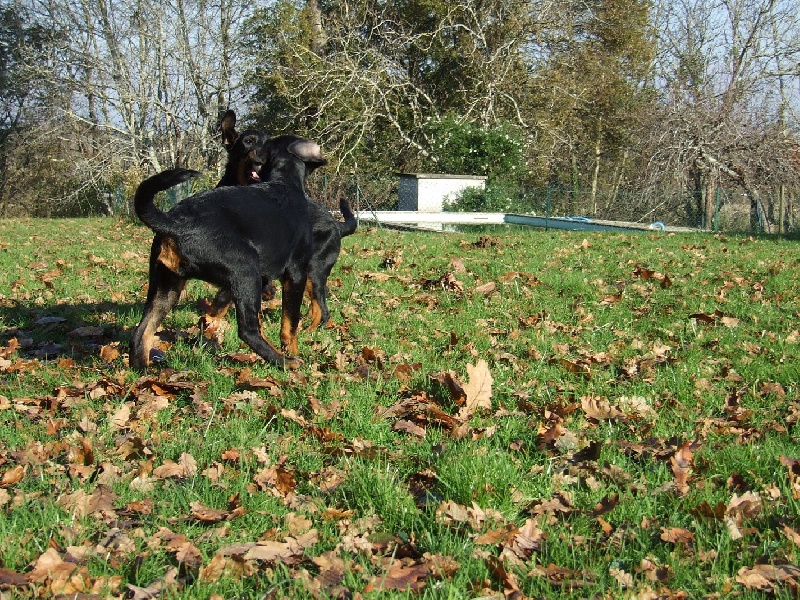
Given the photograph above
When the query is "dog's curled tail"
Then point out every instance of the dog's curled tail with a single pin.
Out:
(149, 213)
(350, 223)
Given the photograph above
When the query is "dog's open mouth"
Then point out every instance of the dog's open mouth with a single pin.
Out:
(253, 174)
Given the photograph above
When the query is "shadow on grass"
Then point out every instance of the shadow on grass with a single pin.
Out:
(68, 330)
(79, 331)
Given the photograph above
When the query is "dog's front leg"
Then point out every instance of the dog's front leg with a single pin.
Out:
(247, 294)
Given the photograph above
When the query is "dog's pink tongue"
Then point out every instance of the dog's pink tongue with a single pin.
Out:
(254, 176)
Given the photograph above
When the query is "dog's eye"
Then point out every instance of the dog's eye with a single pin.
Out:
(250, 140)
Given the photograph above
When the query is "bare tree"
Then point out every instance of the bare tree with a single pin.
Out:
(20, 41)
(722, 114)
(148, 81)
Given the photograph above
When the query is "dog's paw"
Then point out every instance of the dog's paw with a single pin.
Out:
(157, 357)
(292, 363)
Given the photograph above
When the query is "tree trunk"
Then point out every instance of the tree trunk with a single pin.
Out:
(596, 174)
(573, 200)
(619, 173)
(319, 39)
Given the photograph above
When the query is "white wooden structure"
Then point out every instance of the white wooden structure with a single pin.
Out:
(425, 192)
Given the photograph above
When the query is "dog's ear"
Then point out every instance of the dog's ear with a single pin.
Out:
(309, 152)
(228, 127)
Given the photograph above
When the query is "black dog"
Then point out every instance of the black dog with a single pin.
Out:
(243, 155)
(235, 238)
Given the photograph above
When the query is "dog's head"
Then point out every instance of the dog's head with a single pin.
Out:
(291, 151)
(246, 154)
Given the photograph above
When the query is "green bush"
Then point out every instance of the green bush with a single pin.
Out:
(496, 197)
(469, 149)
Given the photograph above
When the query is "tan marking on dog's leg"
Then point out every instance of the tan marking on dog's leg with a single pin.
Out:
(289, 362)
(220, 304)
(288, 328)
(148, 342)
(144, 336)
(288, 336)
(315, 310)
(168, 255)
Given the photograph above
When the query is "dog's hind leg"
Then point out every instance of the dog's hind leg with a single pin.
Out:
(247, 294)
(291, 303)
(318, 312)
(220, 304)
(224, 298)
(165, 289)
(314, 314)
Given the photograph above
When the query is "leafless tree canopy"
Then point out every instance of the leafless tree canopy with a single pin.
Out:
(678, 110)
(140, 86)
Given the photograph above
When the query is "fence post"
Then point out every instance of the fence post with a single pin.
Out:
(547, 207)
(781, 209)
(717, 202)
(120, 205)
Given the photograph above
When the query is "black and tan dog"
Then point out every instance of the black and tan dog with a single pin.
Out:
(244, 155)
(327, 234)
(245, 152)
(235, 238)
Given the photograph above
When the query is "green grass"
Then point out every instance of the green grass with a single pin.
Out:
(575, 321)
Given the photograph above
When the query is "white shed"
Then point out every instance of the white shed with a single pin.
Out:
(426, 192)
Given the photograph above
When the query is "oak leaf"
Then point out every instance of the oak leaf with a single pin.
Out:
(765, 577)
(599, 408)
(10, 578)
(221, 566)
(791, 534)
(401, 577)
(12, 476)
(409, 427)
(208, 515)
(478, 390)
(185, 467)
(120, 418)
(109, 353)
(677, 536)
(50, 565)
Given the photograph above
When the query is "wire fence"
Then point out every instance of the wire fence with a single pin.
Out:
(730, 210)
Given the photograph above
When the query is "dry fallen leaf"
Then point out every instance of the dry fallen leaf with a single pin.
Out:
(791, 534)
(677, 536)
(401, 577)
(155, 589)
(289, 552)
(109, 353)
(185, 467)
(766, 577)
(486, 289)
(120, 418)
(208, 515)
(10, 578)
(409, 427)
(624, 579)
(478, 390)
(746, 506)
(12, 476)
(599, 408)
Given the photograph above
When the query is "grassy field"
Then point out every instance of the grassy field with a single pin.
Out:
(526, 415)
